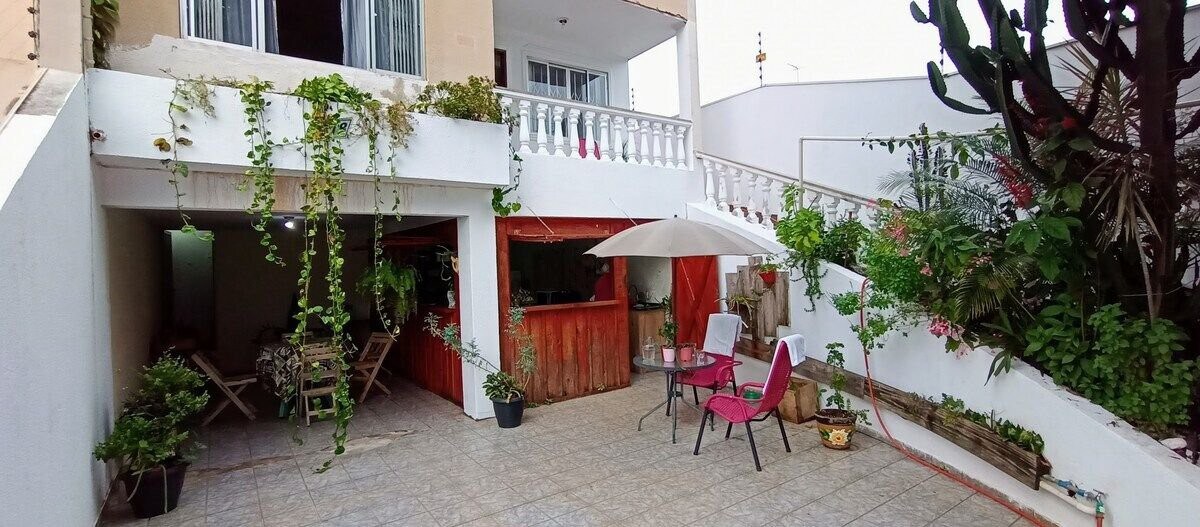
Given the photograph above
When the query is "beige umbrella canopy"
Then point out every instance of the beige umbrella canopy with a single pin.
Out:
(677, 237)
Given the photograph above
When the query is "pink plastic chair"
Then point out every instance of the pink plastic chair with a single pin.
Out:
(735, 409)
(723, 330)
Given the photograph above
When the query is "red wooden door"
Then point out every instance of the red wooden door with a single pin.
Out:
(695, 295)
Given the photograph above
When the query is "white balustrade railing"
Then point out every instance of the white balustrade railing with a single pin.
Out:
(557, 127)
(756, 194)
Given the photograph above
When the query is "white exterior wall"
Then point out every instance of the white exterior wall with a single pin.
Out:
(578, 188)
(55, 370)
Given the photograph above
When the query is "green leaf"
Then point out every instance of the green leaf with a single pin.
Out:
(1055, 227)
(1049, 267)
(1073, 195)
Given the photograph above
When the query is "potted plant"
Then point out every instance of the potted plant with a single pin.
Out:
(669, 331)
(393, 284)
(836, 423)
(148, 440)
(506, 390)
(768, 271)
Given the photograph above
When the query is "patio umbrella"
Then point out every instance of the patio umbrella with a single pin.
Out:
(677, 237)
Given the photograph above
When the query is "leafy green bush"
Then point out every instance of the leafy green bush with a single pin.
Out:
(475, 100)
(840, 244)
(153, 427)
(1125, 364)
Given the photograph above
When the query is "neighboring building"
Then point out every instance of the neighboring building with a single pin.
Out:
(98, 278)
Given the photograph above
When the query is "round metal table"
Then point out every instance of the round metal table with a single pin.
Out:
(674, 393)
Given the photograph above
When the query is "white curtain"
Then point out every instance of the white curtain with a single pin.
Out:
(271, 39)
(398, 35)
(356, 33)
(224, 20)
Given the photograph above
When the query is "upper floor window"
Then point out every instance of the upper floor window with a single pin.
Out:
(373, 34)
(565, 82)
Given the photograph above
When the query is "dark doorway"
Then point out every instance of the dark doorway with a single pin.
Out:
(501, 68)
(310, 29)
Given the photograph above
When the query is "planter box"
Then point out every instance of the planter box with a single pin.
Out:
(979, 440)
(800, 403)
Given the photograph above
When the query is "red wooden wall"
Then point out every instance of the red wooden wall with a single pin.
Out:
(424, 360)
(582, 348)
(695, 295)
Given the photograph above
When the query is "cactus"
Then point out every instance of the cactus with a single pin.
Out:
(1075, 138)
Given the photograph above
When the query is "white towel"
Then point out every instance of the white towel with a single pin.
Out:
(795, 346)
(722, 333)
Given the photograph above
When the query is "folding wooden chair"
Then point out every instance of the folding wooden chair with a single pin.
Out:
(232, 386)
(318, 378)
(370, 362)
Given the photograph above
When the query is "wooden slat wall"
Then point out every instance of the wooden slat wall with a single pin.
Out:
(582, 348)
(424, 360)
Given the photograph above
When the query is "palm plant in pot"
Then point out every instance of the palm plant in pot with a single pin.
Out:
(507, 391)
(837, 421)
(150, 438)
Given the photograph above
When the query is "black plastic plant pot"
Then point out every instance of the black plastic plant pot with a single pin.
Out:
(508, 414)
(150, 497)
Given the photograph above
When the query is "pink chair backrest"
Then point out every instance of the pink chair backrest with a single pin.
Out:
(777, 379)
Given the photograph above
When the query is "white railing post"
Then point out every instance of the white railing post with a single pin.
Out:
(722, 189)
(710, 185)
(735, 194)
(541, 129)
(605, 147)
(669, 146)
(573, 132)
(767, 185)
(589, 136)
(644, 127)
(557, 127)
(777, 193)
(658, 158)
(751, 196)
(618, 141)
(685, 157)
(523, 125)
(631, 131)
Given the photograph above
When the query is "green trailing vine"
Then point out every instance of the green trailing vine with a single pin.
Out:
(262, 171)
(106, 14)
(187, 95)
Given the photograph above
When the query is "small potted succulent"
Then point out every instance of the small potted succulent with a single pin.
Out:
(506, 390)
(768, 271)
(149, 439)
(837, 421)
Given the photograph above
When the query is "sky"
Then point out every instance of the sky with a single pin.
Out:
(805, 40)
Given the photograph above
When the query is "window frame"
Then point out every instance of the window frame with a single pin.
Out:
(529, 59)
(259, 28)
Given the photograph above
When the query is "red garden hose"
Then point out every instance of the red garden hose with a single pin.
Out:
(862, 294)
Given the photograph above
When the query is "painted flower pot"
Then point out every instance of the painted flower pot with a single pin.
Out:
(768, 277)
(509, 413)
(685, 353)
(155, 491)
(836, 428)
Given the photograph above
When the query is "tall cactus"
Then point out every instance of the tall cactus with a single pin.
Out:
(1042, 118)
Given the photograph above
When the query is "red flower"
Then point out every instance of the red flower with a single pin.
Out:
(1069, 123)
(1022, 194)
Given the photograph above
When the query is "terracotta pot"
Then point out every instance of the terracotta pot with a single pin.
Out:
(768, 277)
(685, 353)
(836, 428)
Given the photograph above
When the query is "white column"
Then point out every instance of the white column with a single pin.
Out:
(605, 136)
(631, 133)
(541, 129)
(687, 68)
(831, 209)
(722, 189)
(506, 108)
(523, 125)
(620, 150)
(751, 197)
(589, 136)
(573, 132)
(681, 152)
(644, 128)
(777, 193)
(479, 309)
(658, 160)
(669, 146)
(557, 127)
(710, 184)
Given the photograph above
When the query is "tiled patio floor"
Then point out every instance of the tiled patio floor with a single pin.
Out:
(416, 460)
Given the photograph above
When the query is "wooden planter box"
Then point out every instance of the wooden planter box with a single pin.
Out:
(800, 403)
(1021, 464)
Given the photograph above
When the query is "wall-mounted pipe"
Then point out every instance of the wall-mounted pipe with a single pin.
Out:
(1087, 501)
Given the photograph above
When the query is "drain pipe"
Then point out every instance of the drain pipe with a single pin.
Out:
(1087, 501)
